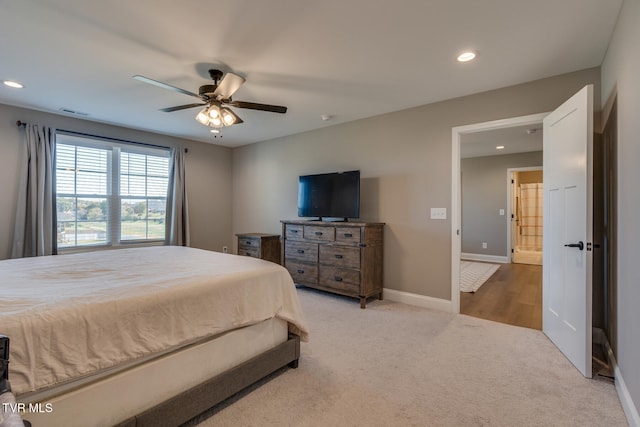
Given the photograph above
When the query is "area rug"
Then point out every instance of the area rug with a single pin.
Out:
(474, 274)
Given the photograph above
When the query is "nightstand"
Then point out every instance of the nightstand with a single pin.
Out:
(260, 245)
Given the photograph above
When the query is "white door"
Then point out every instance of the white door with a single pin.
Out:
(567, 228)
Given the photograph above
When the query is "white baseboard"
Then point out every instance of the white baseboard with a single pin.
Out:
(485, 258)
(417, 300)
(630, 410)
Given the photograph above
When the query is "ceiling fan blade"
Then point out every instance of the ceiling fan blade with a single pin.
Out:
(228, 86)
(261, 107)
(165, 86)
(180, 107)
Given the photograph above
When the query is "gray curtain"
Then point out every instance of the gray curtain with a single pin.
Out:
(35, 230)
(177, 225)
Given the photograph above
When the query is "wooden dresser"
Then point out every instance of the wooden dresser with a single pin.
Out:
(259, 245)
(340, 257)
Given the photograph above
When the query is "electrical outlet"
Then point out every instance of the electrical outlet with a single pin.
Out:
(484, 245)
(438, 213)
(501, 211)
(225, 249)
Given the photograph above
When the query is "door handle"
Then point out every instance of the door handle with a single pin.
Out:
(578, 245)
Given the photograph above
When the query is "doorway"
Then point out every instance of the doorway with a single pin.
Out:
(500, 176)
(513, 294)
(526, 191)
(568, 295)
(458, 133)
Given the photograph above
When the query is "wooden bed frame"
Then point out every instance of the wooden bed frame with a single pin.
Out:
(193, 402)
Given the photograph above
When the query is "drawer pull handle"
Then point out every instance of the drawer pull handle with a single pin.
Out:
(338, 256)
(248, 242)
(318, 233)
(337, 279)
(293, 231)
(300, 251)
(247, 253)
(300, 271)
(348, 235)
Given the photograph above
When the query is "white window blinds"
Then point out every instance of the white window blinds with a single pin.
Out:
(109, 193)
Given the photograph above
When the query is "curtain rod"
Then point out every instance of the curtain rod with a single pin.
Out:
(20, 123)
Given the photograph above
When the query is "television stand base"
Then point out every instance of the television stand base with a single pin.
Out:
(326, 219)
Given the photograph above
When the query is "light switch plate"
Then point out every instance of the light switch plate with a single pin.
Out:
(438, 213)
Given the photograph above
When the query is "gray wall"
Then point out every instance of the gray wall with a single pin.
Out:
(620, 71)
(208, 174)
(405, 162)
(484, 193)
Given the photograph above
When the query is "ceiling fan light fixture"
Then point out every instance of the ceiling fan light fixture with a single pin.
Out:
(215, 98)
(228, 117)
(214, 111)
(203, 117)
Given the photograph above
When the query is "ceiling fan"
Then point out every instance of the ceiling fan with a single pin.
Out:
(216, 99)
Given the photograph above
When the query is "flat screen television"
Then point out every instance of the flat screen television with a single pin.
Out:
(329, 195)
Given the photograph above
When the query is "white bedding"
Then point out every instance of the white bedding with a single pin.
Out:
(70, 316)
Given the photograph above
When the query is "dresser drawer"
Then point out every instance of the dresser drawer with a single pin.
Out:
(348, 235)
(321, 234)
(342, 279)
(260, 245)
(303, 273)
(301, 251)
(245, 243)
(340, 256)
(294, 231)
(252, 252)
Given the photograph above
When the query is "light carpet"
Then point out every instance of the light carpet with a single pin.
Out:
(398, 365)
(474, 274)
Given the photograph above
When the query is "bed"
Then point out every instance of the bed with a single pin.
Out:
(144, 336)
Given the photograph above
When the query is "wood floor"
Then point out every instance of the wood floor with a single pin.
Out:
(513, 295)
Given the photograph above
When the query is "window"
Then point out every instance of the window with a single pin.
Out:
(109, 193)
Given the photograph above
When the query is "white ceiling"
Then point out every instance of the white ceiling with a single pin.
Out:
(517, 139)
(346, 58)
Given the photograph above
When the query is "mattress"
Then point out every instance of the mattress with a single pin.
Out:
(73, 316)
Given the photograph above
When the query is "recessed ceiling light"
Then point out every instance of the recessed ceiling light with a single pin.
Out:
(466, 56)
(13, 84)
(500, 147)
